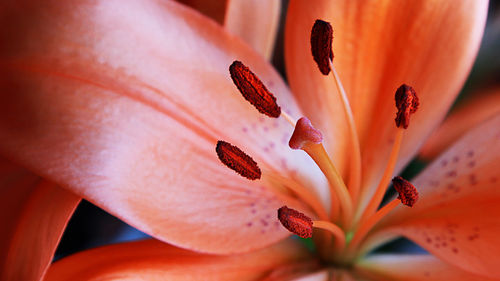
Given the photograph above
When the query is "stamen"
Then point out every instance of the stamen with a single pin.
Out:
(408, 194)
(386, 177)
(407, 103)
(369, 223)
(304, 134)
(355, 161)
(288, 118)
(305, 194)
(321, 45)
(253, 90)
(336, 231)
(301, 225)
(295, 221)
(237, 160)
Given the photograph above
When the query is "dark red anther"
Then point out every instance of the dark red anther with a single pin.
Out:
(253, 90)
(408, 194)
(295, 222)
(321, 45)
(237, 160)
(303, 134)
(407, 103)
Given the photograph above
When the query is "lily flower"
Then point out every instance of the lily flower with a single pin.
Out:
(130, 105)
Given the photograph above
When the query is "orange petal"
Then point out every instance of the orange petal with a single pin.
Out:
(33, 215)
(255, 21)
(327, 275)
(123, 101)
(323, 275)
(456, 217)
(153, 260)
(412, 268)
(378, 45)
(472, 112)
(215, 9)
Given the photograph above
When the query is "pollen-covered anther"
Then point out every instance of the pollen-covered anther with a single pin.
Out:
(237, 160)
(304, 134)
(408, 194)
(407, 103)
(253, 90)
(296, 222)
(321, 45)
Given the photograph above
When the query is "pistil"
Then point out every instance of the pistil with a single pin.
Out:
(309, 139)
(337, 186)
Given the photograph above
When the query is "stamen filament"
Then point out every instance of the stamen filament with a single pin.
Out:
(336, 231)
(369, 223)
(338, 191)
(386, 177)
(288, 118)
(355, 169)
(303, 193)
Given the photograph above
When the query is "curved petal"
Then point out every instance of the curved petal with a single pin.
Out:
(153, 260)
(33, 215)
(123, 101)
(456, 217)
(472, 112)
(256, 22)
(412, 268)
(323, 275)
(215, 9)
(378, 45)
(327, 275)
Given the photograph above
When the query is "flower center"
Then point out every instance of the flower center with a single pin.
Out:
(348, 222)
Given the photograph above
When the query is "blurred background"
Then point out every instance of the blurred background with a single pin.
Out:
(91, 227)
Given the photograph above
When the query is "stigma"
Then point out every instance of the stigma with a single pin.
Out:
(304, 134)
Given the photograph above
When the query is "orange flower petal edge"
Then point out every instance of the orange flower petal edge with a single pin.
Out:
(412, 268)
(154, 260)
(33, 215)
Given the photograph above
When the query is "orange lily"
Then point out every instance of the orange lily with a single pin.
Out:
(122, 103)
